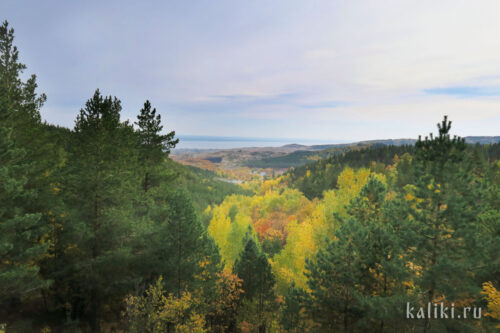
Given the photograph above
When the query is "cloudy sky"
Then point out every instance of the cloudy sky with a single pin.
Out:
(328, 70)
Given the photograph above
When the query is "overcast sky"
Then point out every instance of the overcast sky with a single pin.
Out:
(330, 70)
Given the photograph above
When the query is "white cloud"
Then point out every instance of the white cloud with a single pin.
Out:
(374, 58)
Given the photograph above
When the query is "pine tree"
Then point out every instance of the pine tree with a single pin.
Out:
(490, 231)
(20, 109)
(98, 186)
(154, 147)
(11, 86)
(445, 204)
(258, 283)
(20, 231)
(292, 314)
(188, 241)
(173, 243)
(22, 234)
(381, 249)
(332, 279)
(357, 282)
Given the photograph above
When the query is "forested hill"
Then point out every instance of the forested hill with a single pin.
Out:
(314, 178)
(307, 154)
(203, 186)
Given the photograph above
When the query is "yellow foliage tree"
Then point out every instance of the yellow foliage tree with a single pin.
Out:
(156, 312)
(289, 264)
(492, 296)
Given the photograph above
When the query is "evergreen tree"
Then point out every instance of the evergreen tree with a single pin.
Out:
(292, 314)
(358, 282)
(445, 204)
(258, 283)
(173, 243)
(20, 230)
(332, 279)
(490, 239)
(99, 186)
(154, 147)
(25, 185)
(382, 252)
(20, 109)
(404, 169)
(490, 217)
(188, 243)
(11, 86)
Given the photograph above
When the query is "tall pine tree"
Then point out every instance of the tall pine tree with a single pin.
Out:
(24, 185)
(99, 186)
(154, 147)
(20, 231)
(258, 284)
(358, 282)
(445, 204)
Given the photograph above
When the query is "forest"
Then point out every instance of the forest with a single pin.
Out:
(100, 231)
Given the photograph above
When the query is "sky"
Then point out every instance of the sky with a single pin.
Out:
(325, 70)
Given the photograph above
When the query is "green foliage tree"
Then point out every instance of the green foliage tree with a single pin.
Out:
(154, 147)
(98, 189)
(293, 312)
(11, 85)
(490, 228)
(332, 278)
(445, 202)
(24, 181)
(20, 230)
(382, 248)
(258, 283)
(358, 282)
(186, 244)
(20, 109)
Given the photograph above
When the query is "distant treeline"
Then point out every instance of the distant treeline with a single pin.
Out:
(294, 159)
(324, 172)
(302, 157)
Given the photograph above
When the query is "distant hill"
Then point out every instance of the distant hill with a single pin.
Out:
(315, 177)
(204, 187)
(293, 155)
(400, 142)
(307, 154)
(483, 140)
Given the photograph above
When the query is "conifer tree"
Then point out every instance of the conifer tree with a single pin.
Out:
(20, 108)
(332, 279)
(188, 242)
(445, 205)
(173, 243)
(258, 283)
(154, 147)
(99, 186)
(382, 252)
(11, 86)
(358, 280)
(490, 231)
(292, 314)
(20, 230)
(22, 226)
